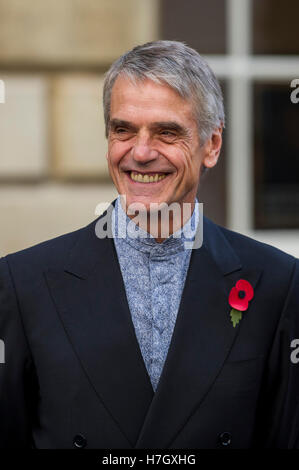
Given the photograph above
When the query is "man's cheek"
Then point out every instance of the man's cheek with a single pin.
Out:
(114, 156)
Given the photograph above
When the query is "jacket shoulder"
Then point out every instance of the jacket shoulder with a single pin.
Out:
(276, 264)
(279, 269)
(49, 253)
(248, 246)
(250, 252)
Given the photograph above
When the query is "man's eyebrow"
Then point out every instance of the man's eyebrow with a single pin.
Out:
(170, 125)
(120, 123)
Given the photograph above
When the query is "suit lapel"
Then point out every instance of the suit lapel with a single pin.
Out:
(201, 341)
(90, 298)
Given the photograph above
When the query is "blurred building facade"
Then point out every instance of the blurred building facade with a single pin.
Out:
(53, 55)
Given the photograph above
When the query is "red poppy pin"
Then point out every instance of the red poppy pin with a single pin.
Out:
(239, 297)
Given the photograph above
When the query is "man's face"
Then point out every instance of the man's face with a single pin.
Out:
(154, 151)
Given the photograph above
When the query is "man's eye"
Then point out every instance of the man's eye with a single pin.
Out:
(122, 133)
(168, 134)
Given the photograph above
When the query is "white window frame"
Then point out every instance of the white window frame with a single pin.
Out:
(239, 68)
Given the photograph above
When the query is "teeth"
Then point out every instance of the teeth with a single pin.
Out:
(147, 178)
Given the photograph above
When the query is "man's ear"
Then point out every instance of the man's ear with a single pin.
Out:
(106, 155)
(212, 148)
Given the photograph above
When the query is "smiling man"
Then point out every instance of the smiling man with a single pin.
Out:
(119, 335)
(155, 152)
(153, 138)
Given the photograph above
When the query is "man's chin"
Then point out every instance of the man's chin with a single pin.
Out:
(143, 203)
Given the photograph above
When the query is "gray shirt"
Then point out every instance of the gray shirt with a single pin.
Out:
(154, 275)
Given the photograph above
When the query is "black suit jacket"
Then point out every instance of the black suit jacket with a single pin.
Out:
(74, 374)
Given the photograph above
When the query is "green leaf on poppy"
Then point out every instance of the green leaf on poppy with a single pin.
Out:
(236, 316)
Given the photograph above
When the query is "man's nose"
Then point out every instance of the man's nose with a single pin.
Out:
(142, 151)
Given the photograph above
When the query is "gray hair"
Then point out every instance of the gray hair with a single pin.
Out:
(180, 67)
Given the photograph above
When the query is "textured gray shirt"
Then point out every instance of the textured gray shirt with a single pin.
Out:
(154, 275)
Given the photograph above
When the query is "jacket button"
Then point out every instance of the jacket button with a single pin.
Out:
(79, 441)
(225, 438)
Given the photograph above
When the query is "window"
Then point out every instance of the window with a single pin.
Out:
(253, 47)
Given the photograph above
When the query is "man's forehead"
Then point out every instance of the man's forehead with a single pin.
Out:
(147, 99)
(125, 87)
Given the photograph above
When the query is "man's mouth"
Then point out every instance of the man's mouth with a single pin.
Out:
(150, 177)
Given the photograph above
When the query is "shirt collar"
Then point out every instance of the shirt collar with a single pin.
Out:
(123, 227)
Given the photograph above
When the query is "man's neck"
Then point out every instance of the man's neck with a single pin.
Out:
(161, 224)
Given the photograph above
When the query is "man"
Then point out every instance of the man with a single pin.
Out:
(138, 341)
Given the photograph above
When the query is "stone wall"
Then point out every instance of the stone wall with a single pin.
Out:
(53, 54)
